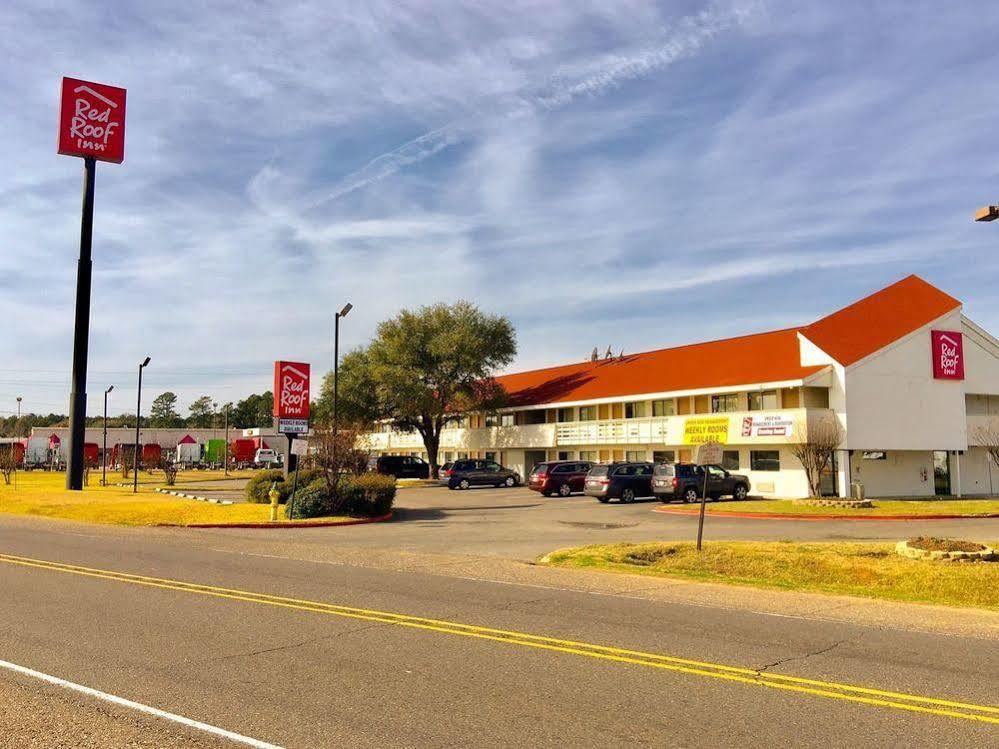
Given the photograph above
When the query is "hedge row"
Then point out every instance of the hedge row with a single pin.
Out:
(259, 487)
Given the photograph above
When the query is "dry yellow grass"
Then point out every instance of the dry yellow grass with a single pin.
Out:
(871, 570)
(42, 494)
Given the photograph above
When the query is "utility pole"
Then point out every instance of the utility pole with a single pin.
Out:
(138, 421)
(104, 453)
(225, 457)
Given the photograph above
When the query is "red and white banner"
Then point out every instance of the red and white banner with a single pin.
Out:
(92, 120)
(291, 390)
(948, 354)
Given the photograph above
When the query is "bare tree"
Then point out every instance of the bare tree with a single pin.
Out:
(8, 461)
(814, 447)
(987, 436)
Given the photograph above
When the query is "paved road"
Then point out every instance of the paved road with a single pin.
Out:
(327, 666)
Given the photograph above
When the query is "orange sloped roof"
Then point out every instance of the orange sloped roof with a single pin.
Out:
(847, 335)
(764, 357)
(875, 321)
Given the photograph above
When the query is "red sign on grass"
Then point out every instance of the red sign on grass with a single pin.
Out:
(948, 354)
(92, 120)
(291, 390)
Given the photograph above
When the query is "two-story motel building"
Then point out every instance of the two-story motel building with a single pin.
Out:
(909, 378)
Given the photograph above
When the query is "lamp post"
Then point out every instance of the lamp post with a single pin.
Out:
(225, 451)
(104, 453)
(138, 417)
(987, 213)
(336, 371)
(19, 407)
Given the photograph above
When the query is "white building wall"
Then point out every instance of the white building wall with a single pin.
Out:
(895, 404)
(978, 474)
(981, 360)
(902, 474)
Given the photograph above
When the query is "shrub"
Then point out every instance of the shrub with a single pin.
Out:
(305, 478)
(369, 495)
(259, 486)
(311, 501)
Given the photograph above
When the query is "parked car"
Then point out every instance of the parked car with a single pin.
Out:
(265, 457)
(624, 481)
(468, 473)
(685, 481)
(562, 477)
(400, 466)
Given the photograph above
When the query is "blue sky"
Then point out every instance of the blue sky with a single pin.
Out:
(623, 173)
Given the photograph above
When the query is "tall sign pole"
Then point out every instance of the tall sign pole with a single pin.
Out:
(91, 126)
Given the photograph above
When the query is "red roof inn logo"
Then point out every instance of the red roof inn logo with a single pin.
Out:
(291, 390)
(92, 121)
(948, 355)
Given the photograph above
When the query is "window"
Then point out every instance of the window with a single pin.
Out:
(874, 455)
(534, 417)
(563, 455)
(724, 403)
(590, 455)
(764, 460)
(664, 456)
(730, 460)
(566, 414)
(634, 456)
(715, 472)
(664, 407)
(643, 470)
(506, 420)
(563, 469)
(634, 410)
(490, 465)
(462, 456)
(492, 420)
(463, 422)
(587, 413)
(763, 400)
(490, 456)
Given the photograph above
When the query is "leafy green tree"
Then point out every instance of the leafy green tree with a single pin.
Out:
(422, 370)
(253, 411)
(163, 411)
(202, 410)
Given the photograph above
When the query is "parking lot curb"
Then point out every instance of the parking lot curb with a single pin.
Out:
(837, 516)
(283, 524)
(196, 497)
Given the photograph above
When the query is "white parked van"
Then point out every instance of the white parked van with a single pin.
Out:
(265, 457)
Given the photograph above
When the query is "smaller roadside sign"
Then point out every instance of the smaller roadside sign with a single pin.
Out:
(293, 426)
(300, 447)
(709, 453)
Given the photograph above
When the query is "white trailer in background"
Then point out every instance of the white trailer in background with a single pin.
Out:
(188, 453)
(37, 452)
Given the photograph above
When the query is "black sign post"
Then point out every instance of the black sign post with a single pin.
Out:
(81, 335)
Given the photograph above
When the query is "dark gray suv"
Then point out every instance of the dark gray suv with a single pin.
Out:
(468, 473)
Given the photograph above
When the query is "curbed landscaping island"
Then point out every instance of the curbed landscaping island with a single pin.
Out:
(871, 570)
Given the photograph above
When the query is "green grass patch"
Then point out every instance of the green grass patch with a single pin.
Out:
(968, 507)
(871, 570)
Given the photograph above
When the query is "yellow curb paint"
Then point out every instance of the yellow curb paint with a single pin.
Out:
(828, 689)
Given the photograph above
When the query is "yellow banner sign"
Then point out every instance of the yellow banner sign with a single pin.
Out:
(708, 429)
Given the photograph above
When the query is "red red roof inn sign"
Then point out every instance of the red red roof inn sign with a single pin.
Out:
(948, 354)
(92, 120)
(291, 396)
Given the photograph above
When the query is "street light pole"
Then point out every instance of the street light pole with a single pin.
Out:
(336, 371)
(138, 418)
(19, 407)
(225, 452)
(104, 453)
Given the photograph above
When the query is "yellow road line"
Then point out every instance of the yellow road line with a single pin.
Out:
(828, 689)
